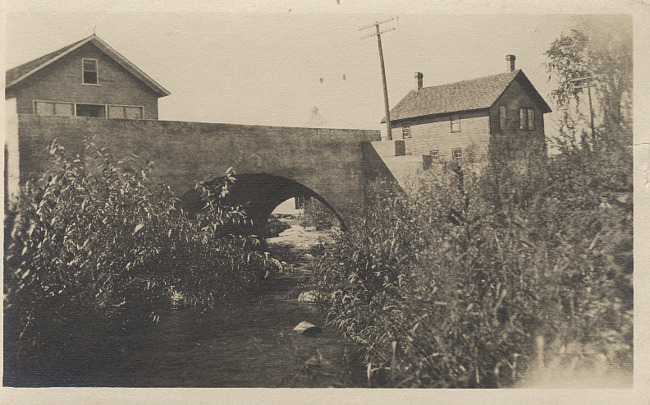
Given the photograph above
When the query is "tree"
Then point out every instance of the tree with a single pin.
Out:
(591, 182)
(598, 51)
(594, 57)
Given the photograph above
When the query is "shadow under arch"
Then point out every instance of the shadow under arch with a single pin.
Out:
(258, 194)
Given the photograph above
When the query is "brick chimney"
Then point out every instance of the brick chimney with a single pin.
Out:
(419, 77)
(511, 62)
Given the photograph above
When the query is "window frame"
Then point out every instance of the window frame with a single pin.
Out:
(455, 151)
(454, 118)
(110, 107)
(54, 103)
(36, 102)
(406, 132)
(525, 123)
(124, 107)
(531, 119)
(435, 154)
(83, 72)
(503, 117)
(74, 109)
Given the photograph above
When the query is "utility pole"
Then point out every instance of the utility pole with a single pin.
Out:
(591, 108)
(378, 33)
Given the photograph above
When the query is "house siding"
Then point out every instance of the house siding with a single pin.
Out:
(434, 133)
(62, 81)
(519, 141)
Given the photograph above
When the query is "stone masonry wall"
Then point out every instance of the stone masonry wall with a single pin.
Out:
(328, 161)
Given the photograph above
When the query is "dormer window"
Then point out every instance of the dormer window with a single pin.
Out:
(90, 71)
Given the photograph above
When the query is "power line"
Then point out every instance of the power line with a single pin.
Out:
(378, 33)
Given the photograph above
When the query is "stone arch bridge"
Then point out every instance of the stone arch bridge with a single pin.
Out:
(272, 164)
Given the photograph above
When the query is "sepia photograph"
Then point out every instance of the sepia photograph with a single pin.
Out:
(299, 198)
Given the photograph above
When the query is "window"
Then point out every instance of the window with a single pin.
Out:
(502, 117)
(90, 71)
(120, 111)
(406, 132)
(455, 123)
(88, 110)
(435, 154)
(44, 108)
(133, 113)
(91, 110)
(54, 108)
(116, 111)
(456, 153)
(527, 119)
(66, 109)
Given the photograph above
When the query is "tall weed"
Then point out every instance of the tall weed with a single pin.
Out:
(456, 283)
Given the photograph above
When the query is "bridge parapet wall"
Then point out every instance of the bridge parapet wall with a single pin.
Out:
(328, 161)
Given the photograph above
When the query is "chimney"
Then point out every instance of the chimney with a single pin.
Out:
(418, 80)
(511, 62)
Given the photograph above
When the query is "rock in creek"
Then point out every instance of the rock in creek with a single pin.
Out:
(308, 297)
(307, 328)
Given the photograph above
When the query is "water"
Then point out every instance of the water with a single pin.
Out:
(242, 344)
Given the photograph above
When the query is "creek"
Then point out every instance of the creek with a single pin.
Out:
(250, 343)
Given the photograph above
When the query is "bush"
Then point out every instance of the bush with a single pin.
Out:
(459, 283)
(316, 214)
(96, 245)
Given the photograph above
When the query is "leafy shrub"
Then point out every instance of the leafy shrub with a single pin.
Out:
(96, 245)
(487, 270)
(316, 214)
(456, 284)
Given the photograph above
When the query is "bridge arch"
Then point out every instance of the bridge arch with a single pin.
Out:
(258, 194)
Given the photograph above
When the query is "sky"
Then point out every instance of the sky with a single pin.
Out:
(273, 69)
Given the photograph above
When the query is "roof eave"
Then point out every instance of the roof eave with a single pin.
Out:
(383, 121)
(49, 62)
(125, 63)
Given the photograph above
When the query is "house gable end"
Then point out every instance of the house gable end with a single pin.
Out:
(62, 82)
(20, 73)
(530, 90)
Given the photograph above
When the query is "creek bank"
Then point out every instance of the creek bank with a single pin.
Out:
(244, 343)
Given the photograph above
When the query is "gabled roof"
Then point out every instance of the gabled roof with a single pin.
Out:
(467, 95)
(20, 73)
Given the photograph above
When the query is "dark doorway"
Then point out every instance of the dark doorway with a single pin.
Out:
(91, 110)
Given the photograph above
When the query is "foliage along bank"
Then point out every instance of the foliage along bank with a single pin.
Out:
(96, 245)
(489, 270)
